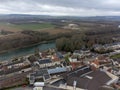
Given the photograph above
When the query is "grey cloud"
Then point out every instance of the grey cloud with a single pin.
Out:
(61, 7)
(89, 4)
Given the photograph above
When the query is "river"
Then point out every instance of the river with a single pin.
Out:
(25, 51)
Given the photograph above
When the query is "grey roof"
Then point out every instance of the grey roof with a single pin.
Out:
(81, 82)
(31, 78)
(57, 70)
(12, 80)
(46, 76)
(100, 76)
(118, 60)
(59, 55)
(44, 61)
(41, 72)
(12, 70)
(15, 62)
(80, 71)
(57, 83)
(99, 79)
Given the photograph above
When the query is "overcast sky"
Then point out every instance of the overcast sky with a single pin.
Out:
(61, 7)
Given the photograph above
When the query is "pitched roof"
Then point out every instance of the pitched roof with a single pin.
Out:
(86, 78)
(57, 70)
(80, 71)
(59, 54)
(46, 76)
(45, 61)
(98, 78)
(41, 72)
(12, 63)
(81, 82)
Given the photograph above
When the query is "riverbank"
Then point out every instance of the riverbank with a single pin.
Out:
(44, 42)
(26, 50)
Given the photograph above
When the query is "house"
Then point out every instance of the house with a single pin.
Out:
(58, 70)
(75, 64)
(46, 62)
(37, 75)
(59, 54)
(31, 79)
(72, 59)
(82, 53)
(15, 67)
(45, 74)
(91, 80)
(13, 80)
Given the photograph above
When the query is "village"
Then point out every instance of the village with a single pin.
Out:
(59, 44)
(54, 70)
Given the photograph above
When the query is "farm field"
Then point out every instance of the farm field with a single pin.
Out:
(15, 38)
(26, 26)
(33, 26)
(8, 27)
(18, 34)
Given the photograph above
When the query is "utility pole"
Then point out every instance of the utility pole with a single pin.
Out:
(74, 85)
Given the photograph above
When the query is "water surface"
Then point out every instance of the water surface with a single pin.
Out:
(25, 51)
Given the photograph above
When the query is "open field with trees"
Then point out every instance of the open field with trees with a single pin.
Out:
(22, 33)
(12, 36)
(91, 33)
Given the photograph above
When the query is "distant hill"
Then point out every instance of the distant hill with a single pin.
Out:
(27, 16)
(103, 18)
(22, 16)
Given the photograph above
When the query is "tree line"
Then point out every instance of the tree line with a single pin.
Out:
(88, 39)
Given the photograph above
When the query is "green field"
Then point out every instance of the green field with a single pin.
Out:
(117, 56)
(34, 26)
(28, 26)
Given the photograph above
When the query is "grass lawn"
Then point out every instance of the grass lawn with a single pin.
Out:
(115, 56)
